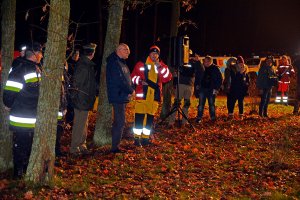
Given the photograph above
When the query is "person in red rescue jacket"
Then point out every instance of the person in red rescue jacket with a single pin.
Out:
(284, 72)
(148, 77)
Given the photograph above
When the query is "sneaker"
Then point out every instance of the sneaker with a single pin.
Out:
(18, 173)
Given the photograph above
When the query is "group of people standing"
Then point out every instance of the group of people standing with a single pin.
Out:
(201, 78)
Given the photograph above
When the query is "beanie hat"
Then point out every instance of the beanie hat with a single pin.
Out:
(240, 59)
(155, 49)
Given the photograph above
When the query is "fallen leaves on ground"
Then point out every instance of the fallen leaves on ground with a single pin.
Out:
(253, 158)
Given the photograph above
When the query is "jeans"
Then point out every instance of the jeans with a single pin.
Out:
(207, 94)
(264, 102)
(118, 124)
(231, 100)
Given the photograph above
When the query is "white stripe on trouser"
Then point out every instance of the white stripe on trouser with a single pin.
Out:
(285, 99)
(137, 131)
(140, 95)
(278, 99)
(146, 131)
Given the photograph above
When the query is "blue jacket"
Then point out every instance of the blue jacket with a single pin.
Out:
(118, 79)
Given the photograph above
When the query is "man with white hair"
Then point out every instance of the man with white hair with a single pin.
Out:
(119, 91)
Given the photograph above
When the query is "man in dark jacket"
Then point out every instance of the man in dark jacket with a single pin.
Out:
(265, 81)
(83, 98)
(119, 91)
(186, 83)
(20, 98)
(209, 85)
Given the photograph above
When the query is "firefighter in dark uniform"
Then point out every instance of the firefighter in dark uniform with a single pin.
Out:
(20, 98)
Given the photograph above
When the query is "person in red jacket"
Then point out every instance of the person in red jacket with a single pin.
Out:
(148, 77)
(284, 72)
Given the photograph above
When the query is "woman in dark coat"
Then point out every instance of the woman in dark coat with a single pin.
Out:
(238, 87)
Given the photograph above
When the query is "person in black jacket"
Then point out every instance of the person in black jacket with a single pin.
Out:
(119, 91)
(209, 85)
(238, 87)
(83, 98)
(265, 82)
(186, 83)
(230, 67)
(20, 97)
(69, 81)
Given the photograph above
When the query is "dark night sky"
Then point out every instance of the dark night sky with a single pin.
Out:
(223, 27)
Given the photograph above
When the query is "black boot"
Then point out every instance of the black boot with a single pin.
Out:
(146, 142)
(18, 172)
(137, 142)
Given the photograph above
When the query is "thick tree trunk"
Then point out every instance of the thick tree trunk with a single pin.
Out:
(8, 28)
(102, 134)
(41, 163)
(168, 87)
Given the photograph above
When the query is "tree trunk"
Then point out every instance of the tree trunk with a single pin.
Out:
(41, 163)
(168, 87)
(8, 28)
(102, 134)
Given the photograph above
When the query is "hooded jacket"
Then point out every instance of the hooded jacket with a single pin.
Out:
(227, 75)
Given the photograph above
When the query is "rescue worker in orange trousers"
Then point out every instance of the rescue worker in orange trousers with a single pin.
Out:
(284, 72)
(148, 77)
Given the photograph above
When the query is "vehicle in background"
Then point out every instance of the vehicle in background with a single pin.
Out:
(255, 62)
(252, 63)
(220, 61)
